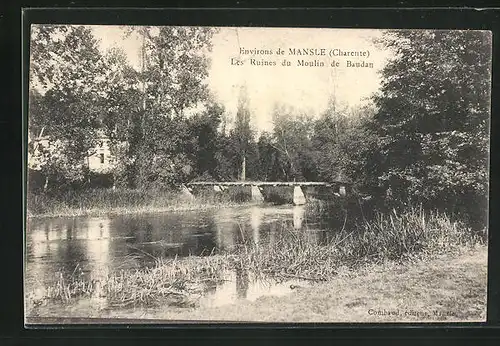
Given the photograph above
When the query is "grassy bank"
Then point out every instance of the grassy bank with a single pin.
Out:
(395, 238)
(445, 288)
(125, 201)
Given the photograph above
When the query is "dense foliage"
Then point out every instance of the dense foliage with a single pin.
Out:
(433, 119)
(68, 67)
(422, 139)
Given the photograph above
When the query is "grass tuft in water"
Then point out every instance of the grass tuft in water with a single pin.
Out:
(171, 281)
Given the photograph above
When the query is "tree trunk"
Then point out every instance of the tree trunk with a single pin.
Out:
(88, 170)
(243, 169)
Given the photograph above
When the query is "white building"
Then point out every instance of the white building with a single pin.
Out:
(98, 160)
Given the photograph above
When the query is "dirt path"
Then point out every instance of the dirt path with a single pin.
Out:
(446, 288)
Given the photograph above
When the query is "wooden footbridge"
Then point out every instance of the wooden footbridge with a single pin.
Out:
(338, 188)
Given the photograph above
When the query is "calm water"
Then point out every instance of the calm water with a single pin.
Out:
(94, 246)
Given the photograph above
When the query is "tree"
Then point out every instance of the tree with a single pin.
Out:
(433, 117)
(292, 139)
(242, 134)
(268, 164)
(329, 131)
(66, 76)
(227, 157)
(173, 82)
(203, 142)
(121, 117)
(345, 146)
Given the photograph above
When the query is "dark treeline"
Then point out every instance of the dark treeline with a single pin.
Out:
(423, 138)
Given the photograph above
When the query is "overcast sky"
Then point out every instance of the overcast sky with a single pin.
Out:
(304, 88)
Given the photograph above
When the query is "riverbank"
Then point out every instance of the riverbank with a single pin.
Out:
(96, 211)
(99, 202)
(445, 288)
(394, 239)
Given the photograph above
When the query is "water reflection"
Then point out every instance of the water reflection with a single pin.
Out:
(226, 229)
(299, 212)
(241, 285)
(98, 246)
(241, 282)
(256, 221)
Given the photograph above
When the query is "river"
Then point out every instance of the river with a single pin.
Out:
(95, 246)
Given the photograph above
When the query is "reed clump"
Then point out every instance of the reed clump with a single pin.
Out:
(388, 237)
(171, 281)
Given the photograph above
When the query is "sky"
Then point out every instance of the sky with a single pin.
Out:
(304, 88)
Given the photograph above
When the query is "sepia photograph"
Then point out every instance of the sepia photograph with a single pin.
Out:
(243, 174)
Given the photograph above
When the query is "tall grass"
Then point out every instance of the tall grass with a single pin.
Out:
(394, 236)
(102, 201)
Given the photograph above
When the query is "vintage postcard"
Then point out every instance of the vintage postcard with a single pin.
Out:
(222, 174)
